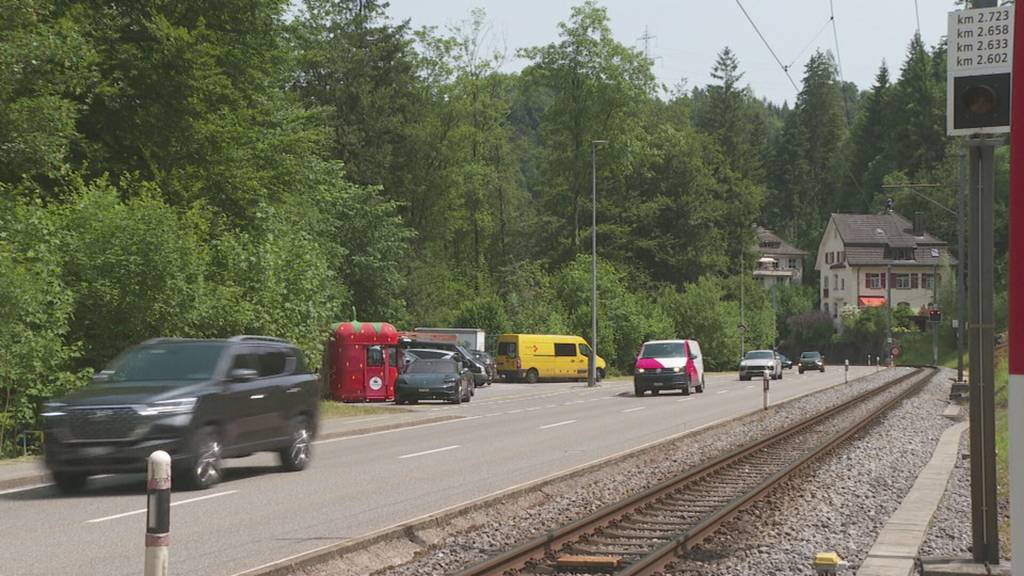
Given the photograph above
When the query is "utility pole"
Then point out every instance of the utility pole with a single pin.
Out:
(743, 322)
(961, 268)
(592, 367)
(888, 305)
(646, 39)
(935, 325)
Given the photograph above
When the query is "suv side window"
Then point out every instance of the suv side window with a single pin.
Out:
(246, 359)
(272, 362)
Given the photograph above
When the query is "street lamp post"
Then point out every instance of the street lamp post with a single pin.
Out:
(592, 368)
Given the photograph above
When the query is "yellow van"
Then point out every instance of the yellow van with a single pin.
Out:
(532, 357)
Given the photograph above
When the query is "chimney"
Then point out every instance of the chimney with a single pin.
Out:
(918, 224)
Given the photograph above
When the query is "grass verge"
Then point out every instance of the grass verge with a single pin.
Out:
(331, 409)
(1002, 442)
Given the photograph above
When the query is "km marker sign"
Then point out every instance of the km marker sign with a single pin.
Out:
(980, 58)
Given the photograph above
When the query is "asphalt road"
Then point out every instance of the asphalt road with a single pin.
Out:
(511, 434)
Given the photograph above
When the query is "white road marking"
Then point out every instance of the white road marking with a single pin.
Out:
(634, 409)
(556, 424)
(143, 511)
(722, 391)
(435, 450)
(749, 387)
(534, 408)
(574, 402)
(493, 414)
(393, 430)
(514, 411)
(684, 399)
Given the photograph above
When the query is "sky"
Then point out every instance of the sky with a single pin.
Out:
(686, 35)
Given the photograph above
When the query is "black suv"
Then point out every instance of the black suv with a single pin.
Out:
(811, 361)
(199, 400)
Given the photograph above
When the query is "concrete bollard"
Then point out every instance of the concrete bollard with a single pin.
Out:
(765, 389)
(158, 513)
(878, 363)
(846, 371)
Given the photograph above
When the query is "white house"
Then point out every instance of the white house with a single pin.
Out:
(863, 258)
(780, 262)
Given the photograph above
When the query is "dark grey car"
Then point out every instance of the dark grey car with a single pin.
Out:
(199, 400)
(443, 379)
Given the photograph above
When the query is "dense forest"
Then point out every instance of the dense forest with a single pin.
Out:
(254, 166)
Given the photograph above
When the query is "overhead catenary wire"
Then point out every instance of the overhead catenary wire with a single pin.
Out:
(785, 69)
(842, 84)
(811, 43)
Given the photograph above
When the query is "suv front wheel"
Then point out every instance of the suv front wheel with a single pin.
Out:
(205, 466)
(70, 482)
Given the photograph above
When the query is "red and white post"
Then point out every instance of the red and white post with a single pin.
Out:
(158, 513)
(1016, 294)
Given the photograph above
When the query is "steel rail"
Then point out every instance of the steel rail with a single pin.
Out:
(547, 544)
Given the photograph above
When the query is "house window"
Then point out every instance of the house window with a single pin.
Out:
(874, 280)
(901, 281)
(928, 280)
(842, 283)
(826, 307)
(914, 280)
(792, 262)
(835, 281)
(899, 253)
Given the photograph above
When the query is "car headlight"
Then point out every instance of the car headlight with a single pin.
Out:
(640, 370)
(677, 369)
(176, 406)
(51, 409)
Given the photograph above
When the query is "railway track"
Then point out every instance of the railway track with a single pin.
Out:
(646, 532)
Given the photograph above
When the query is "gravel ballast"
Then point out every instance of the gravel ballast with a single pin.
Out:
(840, 505)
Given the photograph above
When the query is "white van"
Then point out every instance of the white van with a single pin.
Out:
(669, 365)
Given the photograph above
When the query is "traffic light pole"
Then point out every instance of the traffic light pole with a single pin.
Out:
(981, 336)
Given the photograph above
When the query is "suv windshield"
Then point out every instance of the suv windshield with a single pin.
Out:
(759, 355)
(169, 361)
(663, 350)
(810, 355)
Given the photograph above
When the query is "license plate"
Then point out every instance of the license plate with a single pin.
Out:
(424, 389)
(93, 451)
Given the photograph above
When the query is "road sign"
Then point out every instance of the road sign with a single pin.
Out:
(980, 56)
(895, 351)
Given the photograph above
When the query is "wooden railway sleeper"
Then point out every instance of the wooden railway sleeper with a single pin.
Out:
(615, 541)
(643, 533)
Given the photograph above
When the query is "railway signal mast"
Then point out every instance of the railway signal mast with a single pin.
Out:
(978, 107)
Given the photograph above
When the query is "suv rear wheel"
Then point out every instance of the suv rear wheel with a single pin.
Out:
(532, 376)
(70, 482)
(297, 454)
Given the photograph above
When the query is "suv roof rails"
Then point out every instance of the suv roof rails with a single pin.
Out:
(249, 337)
(159, 339)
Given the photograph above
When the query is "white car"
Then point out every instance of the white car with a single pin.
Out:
(755, 363)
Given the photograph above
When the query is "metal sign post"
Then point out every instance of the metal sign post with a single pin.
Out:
(980, 61)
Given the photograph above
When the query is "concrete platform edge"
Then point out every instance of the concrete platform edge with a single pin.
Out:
(895, 549)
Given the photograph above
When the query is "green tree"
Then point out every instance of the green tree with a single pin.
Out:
(46, 69)
(599, 88)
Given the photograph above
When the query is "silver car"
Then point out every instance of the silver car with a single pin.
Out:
(756, 362)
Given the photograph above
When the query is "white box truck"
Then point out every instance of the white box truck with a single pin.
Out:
(469, 338)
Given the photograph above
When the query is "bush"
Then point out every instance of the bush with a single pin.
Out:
(35, 309)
